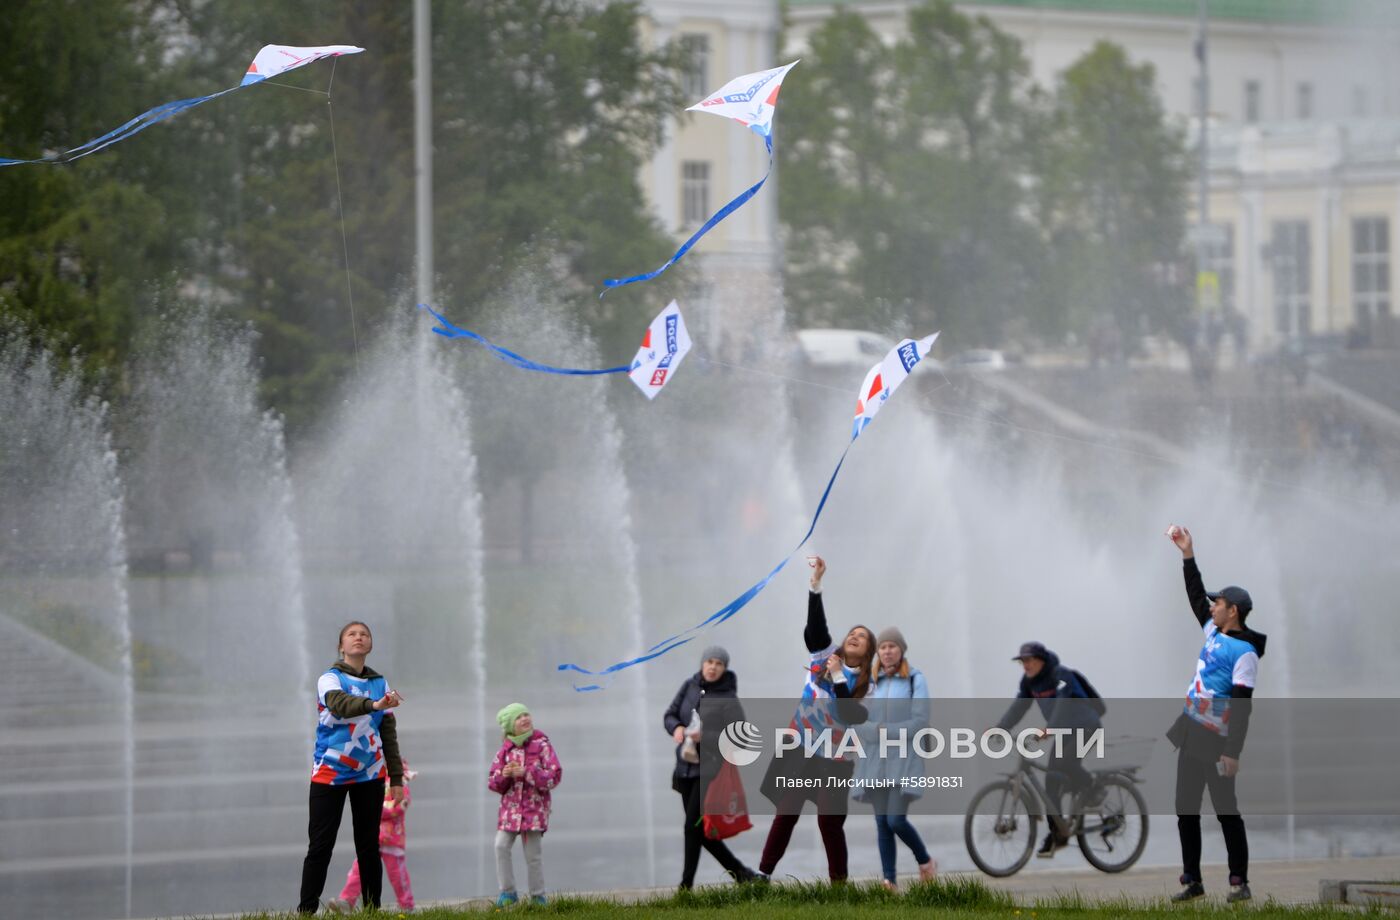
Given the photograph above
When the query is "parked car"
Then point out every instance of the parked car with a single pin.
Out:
(979, 359)
(842, 347)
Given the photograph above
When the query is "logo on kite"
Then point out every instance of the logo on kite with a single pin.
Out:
(909, 356)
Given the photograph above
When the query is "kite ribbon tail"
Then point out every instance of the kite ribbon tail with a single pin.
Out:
(720, 615)
(706, 227)
(447, 329)
(140, 123)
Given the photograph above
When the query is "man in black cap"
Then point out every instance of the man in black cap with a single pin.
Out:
(1050, 684)
(1209, 734)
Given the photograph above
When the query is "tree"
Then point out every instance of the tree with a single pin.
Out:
(901, 175)
(544, 112)
(81, 244)
(1112, 199)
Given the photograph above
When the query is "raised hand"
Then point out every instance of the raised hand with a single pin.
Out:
(1182, 538)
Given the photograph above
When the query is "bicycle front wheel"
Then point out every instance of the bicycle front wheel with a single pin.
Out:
(1113, 835)
(1000, 829)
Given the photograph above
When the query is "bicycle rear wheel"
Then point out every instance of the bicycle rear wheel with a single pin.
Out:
(1113, 834)
(1000, 841)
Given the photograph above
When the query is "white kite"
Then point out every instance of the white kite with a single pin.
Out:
(751, 100)
(269, 62)
(663, 347)
(884, 378)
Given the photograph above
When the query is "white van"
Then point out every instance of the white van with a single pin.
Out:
(842, 347)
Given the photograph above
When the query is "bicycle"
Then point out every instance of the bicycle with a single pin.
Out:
(1111, 834)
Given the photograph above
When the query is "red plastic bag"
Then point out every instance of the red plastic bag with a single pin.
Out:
(726, 809)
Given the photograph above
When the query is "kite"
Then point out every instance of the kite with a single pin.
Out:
(751, 100)
(269, 62)
(664, 346)
(879, 384)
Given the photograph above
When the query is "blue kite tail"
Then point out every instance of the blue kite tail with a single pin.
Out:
(720, 215)
(446, 329)
(140, 123)
(720, 615)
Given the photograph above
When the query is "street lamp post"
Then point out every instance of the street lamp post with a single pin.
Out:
(1203, 115)
(423, 145)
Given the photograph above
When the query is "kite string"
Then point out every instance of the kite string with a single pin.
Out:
(303, 89)
(1067, 438)
(344, 237)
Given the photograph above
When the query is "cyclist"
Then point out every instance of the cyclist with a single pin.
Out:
(1050, 683)
(1209, 734)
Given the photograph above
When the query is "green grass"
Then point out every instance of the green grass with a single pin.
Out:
(953, 899)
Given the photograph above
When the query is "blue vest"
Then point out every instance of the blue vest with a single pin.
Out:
(1224, 661)
(348, 750)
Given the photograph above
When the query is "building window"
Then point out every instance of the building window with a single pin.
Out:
(695, 78)
(1370, 269)
(1305, 101)
(1220, 258)
(695, 192)
(1251, 101)
(1290, 256)
(1360, 102)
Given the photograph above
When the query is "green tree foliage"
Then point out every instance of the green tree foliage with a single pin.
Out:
(901, 174)
(544, 111)
(1113, 195)
(80, 245)
(931, 183)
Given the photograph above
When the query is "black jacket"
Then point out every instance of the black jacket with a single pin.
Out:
(1053, 688)
(816, 635)
(715, 717)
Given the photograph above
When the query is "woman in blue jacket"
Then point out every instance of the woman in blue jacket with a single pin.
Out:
(898, 702)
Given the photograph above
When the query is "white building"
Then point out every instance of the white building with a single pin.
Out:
(1304, 133)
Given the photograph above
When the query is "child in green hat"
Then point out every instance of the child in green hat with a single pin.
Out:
(523, 772)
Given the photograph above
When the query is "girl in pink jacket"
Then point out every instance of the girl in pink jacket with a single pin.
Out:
(523, 772)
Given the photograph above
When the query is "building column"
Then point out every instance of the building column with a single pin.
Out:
(665, 168)
(1249, 273)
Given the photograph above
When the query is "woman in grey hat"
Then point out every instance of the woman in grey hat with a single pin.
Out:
(713, 681)
(898, 701)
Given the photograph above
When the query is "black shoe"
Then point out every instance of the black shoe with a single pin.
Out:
(1239, 890)
(743, 875)
(1052, 842)
(1191, 890)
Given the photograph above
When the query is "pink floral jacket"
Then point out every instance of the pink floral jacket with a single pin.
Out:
(525, 799)
(392, 835)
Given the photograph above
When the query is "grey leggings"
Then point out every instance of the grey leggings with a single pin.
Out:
(534, 863)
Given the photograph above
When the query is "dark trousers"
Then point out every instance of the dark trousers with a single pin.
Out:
(832, 827)
(1064, 774)
(1193, 777)
(695, 837)
(327, 806)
